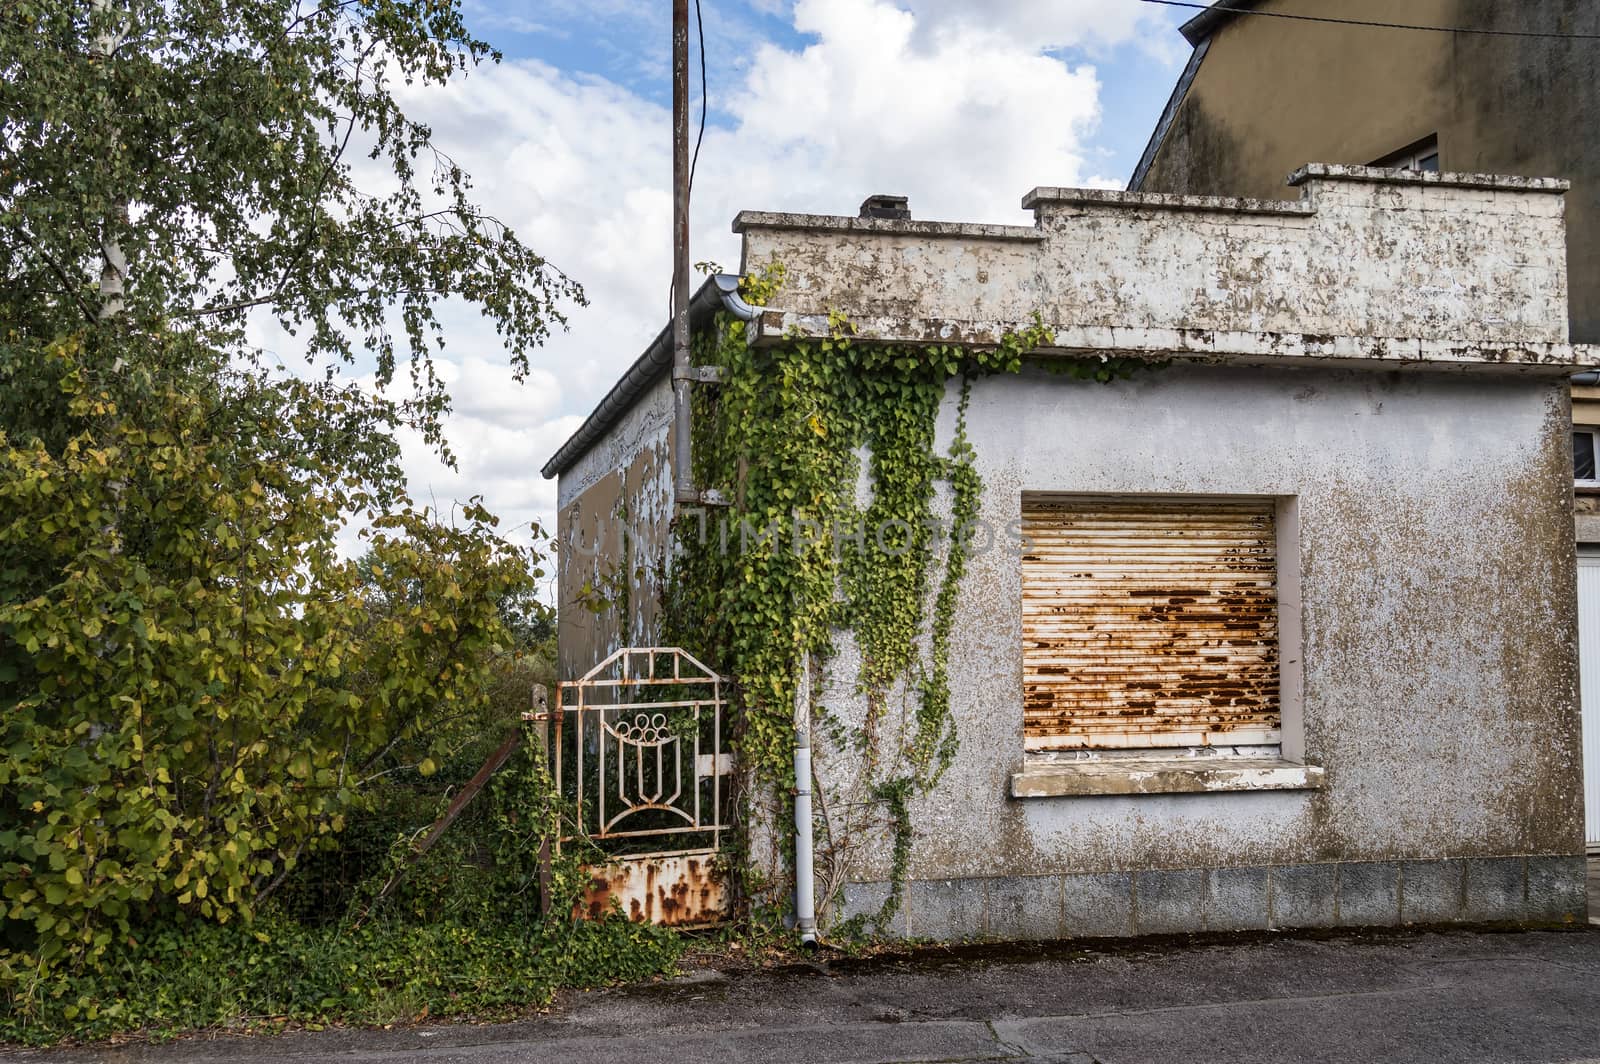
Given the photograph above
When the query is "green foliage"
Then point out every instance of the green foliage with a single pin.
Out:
(486, 870)
(197, 689)
(200, 694)
(194, 688)
(216, 148)
(466, 935)
(933, 746)
(194, 974)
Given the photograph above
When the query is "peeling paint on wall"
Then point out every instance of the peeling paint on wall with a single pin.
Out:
(615, 509)
(1369, 265)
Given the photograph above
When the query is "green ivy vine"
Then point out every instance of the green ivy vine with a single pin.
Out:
(765, 584)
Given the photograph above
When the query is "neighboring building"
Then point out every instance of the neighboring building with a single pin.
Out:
(1292, 640)
(1261, 94)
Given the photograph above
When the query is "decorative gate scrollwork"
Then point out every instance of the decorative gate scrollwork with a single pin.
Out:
(646, 735)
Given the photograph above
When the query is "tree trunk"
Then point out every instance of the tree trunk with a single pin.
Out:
(114, 271)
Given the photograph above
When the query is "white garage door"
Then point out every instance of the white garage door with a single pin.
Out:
(1589, 656)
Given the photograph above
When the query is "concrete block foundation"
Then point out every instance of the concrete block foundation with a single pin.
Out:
(1530, 891)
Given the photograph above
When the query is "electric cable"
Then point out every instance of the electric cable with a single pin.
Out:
(1329, 19)
(700, 33)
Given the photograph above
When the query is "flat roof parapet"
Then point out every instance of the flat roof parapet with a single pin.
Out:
(1369, 267)
(745, 221)
(1110, 197)
(1473, 261)
(1387, 176)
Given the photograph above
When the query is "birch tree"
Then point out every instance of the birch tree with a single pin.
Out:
(193, 690)
(175, 165)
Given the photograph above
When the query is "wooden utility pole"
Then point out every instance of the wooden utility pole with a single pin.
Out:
(683, 474)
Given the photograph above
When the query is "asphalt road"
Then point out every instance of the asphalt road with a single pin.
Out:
(1430, 997)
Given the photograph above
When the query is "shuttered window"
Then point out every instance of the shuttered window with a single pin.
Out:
(1149, 623)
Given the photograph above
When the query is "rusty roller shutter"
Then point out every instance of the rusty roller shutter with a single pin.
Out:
(1149, 623)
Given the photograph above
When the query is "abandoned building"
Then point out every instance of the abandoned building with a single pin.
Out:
(1521, 96)
(1278, 630)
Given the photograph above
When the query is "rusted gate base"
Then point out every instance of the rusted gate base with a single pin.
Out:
(686, 889)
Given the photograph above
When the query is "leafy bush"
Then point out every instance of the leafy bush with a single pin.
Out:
(194, 688)
(198, 689)
(465, 936)
(197, 974)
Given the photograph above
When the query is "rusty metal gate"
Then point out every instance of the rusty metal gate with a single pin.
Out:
(636, 747)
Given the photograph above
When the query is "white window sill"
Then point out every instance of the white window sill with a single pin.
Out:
(1066, 779)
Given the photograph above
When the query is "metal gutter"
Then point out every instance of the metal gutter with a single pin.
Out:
(717, 293)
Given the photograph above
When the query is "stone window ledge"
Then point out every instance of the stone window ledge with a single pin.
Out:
(1066, 779)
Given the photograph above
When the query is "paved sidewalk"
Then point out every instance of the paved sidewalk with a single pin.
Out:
(1454, 996)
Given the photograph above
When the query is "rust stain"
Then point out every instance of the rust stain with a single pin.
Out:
(1149, 623)
(674, 890)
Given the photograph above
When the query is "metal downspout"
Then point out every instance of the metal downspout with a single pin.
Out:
(805, 889)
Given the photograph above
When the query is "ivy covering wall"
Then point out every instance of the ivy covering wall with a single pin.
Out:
(769, 585)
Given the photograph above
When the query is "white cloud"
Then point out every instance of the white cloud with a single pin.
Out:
(963, 122)
(961, 111)
(1052, 25)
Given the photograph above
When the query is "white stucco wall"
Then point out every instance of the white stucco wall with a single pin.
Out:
(1389, 353)
(1438, 617)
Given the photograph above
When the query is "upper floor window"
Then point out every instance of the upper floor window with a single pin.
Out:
(1423, 156)
(1585, 451)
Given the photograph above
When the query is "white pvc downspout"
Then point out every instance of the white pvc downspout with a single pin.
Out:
(805, 888)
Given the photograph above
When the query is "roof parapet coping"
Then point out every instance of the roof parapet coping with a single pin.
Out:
(1051, 196)
(1110, 197)
(1386, 176)
(838, 223)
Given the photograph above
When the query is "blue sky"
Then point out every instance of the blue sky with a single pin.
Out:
(628, 45)
(814, 105)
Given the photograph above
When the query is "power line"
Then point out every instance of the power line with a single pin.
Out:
(700, 34)
(1196, 6)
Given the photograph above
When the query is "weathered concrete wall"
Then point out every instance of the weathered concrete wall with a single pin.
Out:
(1438, 651)
(1320, 346)
(615, 506)
(1272, 93)
(1319, 350)
(1370, 265)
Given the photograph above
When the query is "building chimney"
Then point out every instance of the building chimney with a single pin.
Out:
(886, 207)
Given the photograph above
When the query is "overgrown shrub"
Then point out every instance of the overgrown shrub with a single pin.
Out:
(194, 690)
(195, 974)
(459, 939)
